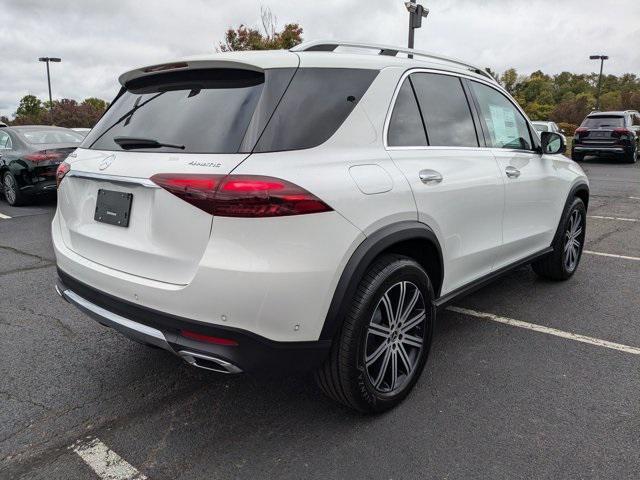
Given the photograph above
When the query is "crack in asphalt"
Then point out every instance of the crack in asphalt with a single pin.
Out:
(26, 269)
(22, 252)
(23, 466)
(66, 329)
(11, 396)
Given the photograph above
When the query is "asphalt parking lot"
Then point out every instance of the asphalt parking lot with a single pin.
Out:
(549, 398)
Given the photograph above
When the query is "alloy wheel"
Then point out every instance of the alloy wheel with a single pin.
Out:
(395, 337)
(573, 241)
(10, 188)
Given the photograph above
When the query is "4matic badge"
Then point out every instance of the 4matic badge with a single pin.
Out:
(204, 164)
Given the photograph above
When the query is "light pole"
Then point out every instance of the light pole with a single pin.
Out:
(602, 58)
(416, 13)
(47, 60)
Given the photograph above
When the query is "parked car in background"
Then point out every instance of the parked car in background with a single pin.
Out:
(608, 134)
(549, 127)
(309, 210)
(82, 131)
(29, 157)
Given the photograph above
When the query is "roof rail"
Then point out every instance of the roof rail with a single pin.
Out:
(389, 50)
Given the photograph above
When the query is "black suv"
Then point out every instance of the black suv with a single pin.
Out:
(608, 134)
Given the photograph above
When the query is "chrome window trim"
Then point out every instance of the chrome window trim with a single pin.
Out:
(145, 182)
(387, 121)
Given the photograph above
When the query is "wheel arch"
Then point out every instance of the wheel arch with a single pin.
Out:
(410, 238)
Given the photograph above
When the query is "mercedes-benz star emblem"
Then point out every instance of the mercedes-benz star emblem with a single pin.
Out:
(104, 164)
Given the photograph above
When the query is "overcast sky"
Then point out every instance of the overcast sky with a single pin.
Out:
(99, 39)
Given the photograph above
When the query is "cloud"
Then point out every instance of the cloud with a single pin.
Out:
(99, 40)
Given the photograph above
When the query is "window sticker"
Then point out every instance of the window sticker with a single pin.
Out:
(505, 127)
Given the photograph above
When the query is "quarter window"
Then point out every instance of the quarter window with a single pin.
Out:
(507, 127)
(405, 127)
(445, 110)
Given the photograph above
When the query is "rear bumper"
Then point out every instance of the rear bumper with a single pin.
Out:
(595, 150)
(252, 353)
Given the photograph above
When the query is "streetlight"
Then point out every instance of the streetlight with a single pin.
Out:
(47, 60)
(416, 13)
(602, 58)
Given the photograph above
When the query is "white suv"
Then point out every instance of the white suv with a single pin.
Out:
(309, 209)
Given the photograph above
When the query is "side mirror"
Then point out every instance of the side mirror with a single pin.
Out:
(552, 143)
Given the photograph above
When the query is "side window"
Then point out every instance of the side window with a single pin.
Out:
(445, 109)
(507, 127)
(635, 120)
(405, 126)
(5, 141)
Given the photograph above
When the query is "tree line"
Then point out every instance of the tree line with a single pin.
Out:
(568, 97)
(64, 113)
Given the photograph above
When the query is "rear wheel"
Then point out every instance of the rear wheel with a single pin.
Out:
(631, 157)
(12, 192)
(383, 345)
(562, 263)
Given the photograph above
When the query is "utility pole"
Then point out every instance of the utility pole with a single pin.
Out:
(602, 58)
(416, 13)
(47, 60)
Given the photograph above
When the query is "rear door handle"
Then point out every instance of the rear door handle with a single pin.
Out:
(430, 177)
(512, 172)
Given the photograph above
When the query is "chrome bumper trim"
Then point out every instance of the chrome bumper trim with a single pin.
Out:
(129, 328)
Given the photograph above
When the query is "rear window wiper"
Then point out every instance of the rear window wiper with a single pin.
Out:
(131, 143)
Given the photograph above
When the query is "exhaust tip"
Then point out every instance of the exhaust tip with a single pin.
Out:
(208, 362)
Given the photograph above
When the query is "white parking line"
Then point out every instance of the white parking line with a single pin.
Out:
(623, 257)
(548, 330)
(621, 219)
(634, 198)
(107, 464)
(4, 217)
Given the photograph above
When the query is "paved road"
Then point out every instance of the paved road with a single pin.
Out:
(495, 400)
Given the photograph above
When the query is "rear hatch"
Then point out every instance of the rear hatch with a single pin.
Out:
(205, 120)
(600, 130)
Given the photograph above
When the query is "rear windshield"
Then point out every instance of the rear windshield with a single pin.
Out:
(50, 135)
(232, 111)
(603, 122)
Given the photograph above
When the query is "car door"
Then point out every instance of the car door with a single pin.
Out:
(532, 185)
(458, 189)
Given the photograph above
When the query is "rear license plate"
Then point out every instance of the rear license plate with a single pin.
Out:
(113, 207)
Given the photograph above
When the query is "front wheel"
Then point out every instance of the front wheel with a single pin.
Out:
(383, 345)
(562, 263)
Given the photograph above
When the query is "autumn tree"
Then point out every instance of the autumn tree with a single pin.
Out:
(266, 37)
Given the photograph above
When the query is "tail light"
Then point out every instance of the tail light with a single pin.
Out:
(43, 156)
(621, 132)
(247, 196)
(61, 171)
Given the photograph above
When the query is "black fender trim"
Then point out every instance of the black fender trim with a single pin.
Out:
(573, 193)
(360, 260)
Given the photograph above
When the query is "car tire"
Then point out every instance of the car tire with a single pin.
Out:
(376, 358)
(11, 191)
(631, 157)
(562, 263)
(577, 157)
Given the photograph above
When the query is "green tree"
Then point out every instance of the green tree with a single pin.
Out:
(30, 106)
(96, 103)
(509, 80)
(248, 38)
